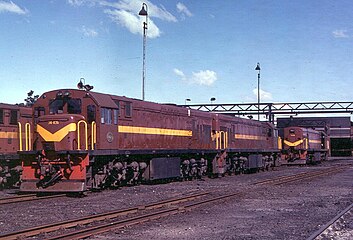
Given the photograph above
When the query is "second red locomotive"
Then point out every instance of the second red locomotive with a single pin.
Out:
(303, 146)
(86, 139)
(15, 135)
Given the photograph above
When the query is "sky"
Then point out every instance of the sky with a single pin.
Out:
(195, 50)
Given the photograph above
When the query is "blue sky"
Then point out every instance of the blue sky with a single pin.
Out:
(195, 49)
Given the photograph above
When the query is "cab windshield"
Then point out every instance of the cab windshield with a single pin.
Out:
(59, 106)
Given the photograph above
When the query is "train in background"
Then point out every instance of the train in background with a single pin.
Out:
(89, 140)
(303, 146)
(15, 127)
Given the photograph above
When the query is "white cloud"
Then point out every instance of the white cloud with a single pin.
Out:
(203, 77)
(89, 32)
(133, 22)
(206, 77)
(134, 6)
(264, 96)
(76, 2)
(79, 3)
(183, 10)
(179, 73)
(12, 8)
(125, 14)
(340, 33)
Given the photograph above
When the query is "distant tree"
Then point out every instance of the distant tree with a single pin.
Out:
(30, 100)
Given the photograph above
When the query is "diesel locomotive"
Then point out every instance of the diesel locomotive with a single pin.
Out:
(304, 146)
(89, 140)
(15, 128)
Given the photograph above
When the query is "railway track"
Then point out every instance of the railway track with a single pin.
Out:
(110, 216)
(275, 181)
(97, 224)
(300, 176)
(84, 233)
(27, 198)
(328, 230)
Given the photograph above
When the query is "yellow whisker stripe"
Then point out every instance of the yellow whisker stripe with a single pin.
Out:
(154, 131)
(293, 144)
(58, 135)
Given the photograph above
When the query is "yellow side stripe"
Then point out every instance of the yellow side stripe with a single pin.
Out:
(58, 135)
(155, 131)
(315, 141)
(8, 135)
(249, 137)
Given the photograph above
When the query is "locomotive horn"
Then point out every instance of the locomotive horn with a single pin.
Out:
(80, 84)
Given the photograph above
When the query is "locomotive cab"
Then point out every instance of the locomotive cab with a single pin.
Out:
(62, 139)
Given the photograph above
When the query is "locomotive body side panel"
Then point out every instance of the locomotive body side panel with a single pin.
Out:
(150, 126)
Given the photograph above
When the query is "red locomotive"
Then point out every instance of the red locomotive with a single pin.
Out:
(15, 135)
(303, 146)
(86, 139)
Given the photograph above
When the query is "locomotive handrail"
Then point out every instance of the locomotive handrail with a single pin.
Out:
(279, 143)
(28, 139)
(78, 134)
(20, 135)
(221, 138)
(28, 136)
(93, 134)
(217, 140)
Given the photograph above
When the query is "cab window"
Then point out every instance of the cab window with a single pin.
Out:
(74, 106)
(116, 114)
(57, 106)
(1, 116)
(118, 105)
(109, 116)
(128, 109)
(13, 117)
(106, 116)
(39, 111)
(91, 113)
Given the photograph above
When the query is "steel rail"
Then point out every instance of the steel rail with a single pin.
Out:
(95, 230)
(297, 177)
(317, 174)
(99, 217)
(26, 198)
(336, 220)
(279, 178)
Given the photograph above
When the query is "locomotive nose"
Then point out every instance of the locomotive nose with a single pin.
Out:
(59, 132)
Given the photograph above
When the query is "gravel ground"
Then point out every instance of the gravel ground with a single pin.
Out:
(289, 211)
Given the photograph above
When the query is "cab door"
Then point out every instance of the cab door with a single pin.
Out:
(108, 131)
